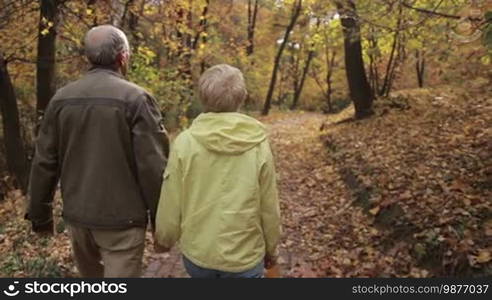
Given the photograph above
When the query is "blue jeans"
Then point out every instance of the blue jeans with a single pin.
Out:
(198, 272)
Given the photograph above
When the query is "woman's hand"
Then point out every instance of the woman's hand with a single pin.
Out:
(270, 261)
(158, 248)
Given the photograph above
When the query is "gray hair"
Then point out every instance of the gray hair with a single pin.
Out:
(104, 43)
(221, 88)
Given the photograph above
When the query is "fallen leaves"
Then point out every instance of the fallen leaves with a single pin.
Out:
(433, 164)
(405, 194)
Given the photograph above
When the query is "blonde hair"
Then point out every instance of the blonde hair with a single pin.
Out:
(221, 88)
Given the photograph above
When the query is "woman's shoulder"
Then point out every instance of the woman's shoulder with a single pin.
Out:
(183, 137)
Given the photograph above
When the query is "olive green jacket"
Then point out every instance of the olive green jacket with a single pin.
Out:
(219, 195)
(102, 137)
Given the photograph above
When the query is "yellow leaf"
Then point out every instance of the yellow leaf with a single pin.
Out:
(45, 31)
(483, 256)
(485, 60)
(88, 11)
(374, 211)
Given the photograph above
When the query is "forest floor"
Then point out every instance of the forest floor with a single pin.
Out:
(404, 193)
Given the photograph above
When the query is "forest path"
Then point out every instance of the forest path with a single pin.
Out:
(318, 215)
(298, 152)
(301, 169)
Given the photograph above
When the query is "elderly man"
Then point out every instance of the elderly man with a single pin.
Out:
(103, 138)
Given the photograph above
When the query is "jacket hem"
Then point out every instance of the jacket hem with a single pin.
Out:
(90, 225)
(221, 268)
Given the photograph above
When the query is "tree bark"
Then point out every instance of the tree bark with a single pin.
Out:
(202, 26)
(360, 90)
(298, 90)
(45, 66)
(133, 22)
(420, 66)
(330, 65)
(296, 11)
(329, 75)
(390, 68)
(118, 12)
(252, 14)
(17, 162)
(374, 57)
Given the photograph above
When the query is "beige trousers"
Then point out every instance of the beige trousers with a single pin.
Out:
(108, 253)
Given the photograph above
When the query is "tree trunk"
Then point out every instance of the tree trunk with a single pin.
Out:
(390, 68)
(295, 14)
(118, 11)
(329, 75)
(360, 90)
(385, 88)
(17, 162)
(293, 69)
(133, 22)
(45, 66)
(127, 13)
(202, 26)
(420, 66)
(373, 62)
(330, 65)
(298, 90)
(185, 19)
(252, 13)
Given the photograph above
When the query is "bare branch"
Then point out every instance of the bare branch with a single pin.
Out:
(431, 12)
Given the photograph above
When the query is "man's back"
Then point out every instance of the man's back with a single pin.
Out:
(102, 133)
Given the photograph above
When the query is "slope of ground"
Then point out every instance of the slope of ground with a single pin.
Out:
(421, 173)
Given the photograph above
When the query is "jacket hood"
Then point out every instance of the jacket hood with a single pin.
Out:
(230, 133)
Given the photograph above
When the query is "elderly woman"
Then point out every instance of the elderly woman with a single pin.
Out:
(219, 195)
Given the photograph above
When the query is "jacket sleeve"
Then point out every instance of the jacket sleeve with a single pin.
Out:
(270, 210)
(168, 222)
(44, 173)
(151, 148)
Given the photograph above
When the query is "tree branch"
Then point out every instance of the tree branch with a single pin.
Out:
(431, 12)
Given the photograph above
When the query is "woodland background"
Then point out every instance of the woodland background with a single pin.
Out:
(379, 110)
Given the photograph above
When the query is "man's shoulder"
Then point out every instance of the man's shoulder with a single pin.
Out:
(132, 92)
(104, 85)
(133, 86)
(65, 91)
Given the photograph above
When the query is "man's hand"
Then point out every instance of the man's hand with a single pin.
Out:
(270, 261)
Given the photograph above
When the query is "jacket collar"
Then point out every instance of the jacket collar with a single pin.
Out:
(107, 69)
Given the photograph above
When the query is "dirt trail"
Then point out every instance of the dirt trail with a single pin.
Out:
(317, 210)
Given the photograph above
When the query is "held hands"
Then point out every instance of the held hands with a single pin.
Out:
(158, 248)
(270, 261)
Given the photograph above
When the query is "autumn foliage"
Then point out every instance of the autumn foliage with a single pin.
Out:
(399, 184)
